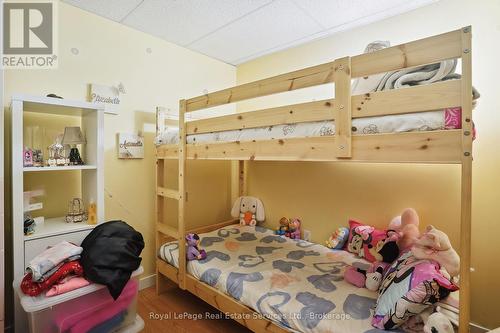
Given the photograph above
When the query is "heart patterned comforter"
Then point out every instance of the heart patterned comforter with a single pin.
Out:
(297, 284)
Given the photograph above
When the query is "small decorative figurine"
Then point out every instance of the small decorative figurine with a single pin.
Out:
(27, 157)
(193, 251)
(56, 153)
(294, 229)
(283, 228)
(37, 158)
(76, 211)
(337, 240)
(29, 224)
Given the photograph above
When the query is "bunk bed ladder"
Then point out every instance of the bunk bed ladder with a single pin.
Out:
(164, 231)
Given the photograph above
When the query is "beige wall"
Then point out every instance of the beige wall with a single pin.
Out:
(110, 53)
(325, 195)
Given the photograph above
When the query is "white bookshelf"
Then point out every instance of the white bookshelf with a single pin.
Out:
(54, 229)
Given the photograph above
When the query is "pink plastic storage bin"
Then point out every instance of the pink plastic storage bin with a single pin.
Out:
(82, 309)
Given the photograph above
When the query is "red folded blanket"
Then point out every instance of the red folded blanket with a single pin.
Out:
(31, 288)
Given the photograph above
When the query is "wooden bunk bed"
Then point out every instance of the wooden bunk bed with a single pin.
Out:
(439, 146)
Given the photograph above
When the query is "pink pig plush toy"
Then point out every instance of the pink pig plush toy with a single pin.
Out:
(435, 245)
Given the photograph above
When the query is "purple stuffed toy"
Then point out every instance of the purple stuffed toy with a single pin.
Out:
(193, 252)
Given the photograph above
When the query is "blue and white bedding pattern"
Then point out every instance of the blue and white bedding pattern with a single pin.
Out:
(297, 284)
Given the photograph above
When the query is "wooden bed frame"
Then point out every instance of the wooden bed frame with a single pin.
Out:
(441, 146)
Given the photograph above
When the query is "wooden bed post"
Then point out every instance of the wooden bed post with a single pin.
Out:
(159, 204)
(465, 223)
(182, 195)
(238, 179)
(242, 178)
(342, 104)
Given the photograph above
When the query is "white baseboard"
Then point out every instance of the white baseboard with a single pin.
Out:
(147, 281)
(474, 328)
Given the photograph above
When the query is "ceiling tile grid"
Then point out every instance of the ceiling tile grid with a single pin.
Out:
(115, 10)
(235, 31)
(185, 21)
(279, 24)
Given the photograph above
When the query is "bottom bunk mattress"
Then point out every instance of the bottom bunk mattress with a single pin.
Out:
(295, 283)
(419, 121)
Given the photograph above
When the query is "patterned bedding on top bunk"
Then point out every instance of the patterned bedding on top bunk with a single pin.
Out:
(449, 118)
(295, 283)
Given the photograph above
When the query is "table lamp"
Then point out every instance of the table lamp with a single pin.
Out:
(73, 136)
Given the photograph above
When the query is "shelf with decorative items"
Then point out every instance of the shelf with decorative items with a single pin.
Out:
(57, 174)
(60, 168)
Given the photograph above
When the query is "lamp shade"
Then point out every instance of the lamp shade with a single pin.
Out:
(73, 136)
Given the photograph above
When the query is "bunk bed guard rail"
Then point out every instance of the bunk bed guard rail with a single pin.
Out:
(344, 106)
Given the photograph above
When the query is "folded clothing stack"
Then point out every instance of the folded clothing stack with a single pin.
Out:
(56, 270)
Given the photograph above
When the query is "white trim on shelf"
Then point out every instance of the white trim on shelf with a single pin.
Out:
(57, 226)
(57, 102)
(60, 168)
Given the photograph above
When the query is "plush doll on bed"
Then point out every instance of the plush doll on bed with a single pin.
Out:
(294, 231)
(385, 251)
(407, 225)
(337, 240)
(436, 322)
(431, 320)
(249, 210)
(435, 245)
(193, 251)
(283, 228)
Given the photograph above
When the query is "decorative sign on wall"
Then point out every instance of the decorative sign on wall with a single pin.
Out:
(130, 145)
(109, 96)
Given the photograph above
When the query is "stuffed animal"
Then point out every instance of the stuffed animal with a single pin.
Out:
(294, 231)
(338, 238)
(435, 245)
(249, 210)
(407, 226)
(283, 228)
(436, 322)
(193, 251)
(431, 320)
(387, 251)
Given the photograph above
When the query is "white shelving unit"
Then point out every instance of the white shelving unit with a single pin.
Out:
(54, 229)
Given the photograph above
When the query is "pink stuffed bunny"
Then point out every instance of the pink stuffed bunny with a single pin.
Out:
(407, 226)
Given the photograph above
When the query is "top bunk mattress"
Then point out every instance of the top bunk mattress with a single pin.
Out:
(449, 118)
(297, 284)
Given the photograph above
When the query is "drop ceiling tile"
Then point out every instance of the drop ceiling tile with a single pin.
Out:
(279, 23)
(332, 13)
(114, 10)
(184, 21)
